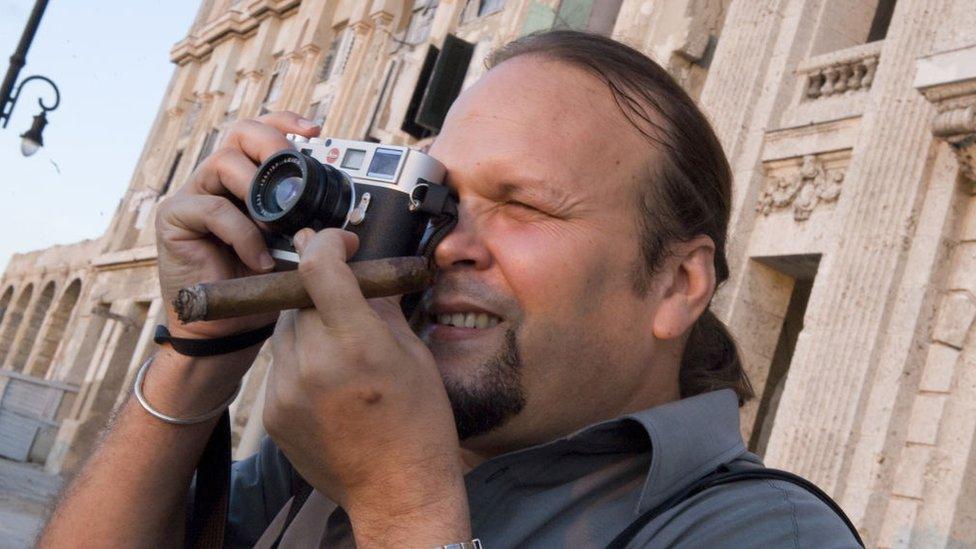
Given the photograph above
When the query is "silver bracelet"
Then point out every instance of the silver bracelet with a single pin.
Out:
(176, 420)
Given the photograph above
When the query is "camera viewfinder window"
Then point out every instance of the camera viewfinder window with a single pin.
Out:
(384, 164)
(353, 159)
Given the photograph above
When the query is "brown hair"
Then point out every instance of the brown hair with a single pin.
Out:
(687, 192)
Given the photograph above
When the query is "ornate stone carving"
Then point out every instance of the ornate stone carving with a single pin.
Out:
(804, 189)
(948, 81)
(958, 128)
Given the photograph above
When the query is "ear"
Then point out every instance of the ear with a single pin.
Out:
(689, 283)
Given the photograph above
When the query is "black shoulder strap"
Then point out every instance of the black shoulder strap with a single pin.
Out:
(721, 476)
(208, 519)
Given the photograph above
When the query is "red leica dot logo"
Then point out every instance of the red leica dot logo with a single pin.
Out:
(332, 156)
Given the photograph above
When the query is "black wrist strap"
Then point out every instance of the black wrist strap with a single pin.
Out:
(215, 346)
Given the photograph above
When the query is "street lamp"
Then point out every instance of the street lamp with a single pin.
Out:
(31, 139)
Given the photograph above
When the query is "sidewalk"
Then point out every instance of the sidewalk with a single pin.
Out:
(25, 491)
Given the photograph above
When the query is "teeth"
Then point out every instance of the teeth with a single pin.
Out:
(481, 321)
(469, 320)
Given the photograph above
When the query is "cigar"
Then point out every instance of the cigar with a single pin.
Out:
(284, 290)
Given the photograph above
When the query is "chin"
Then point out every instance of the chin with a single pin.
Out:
(461, 353)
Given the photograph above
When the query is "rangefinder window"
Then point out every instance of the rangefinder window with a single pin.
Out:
(353, 159)
(384, 163)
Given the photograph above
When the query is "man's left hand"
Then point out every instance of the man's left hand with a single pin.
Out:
(356, 403)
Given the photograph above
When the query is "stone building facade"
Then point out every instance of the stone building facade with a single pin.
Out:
(851, 131)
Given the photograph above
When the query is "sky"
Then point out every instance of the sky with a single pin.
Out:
(110, 59)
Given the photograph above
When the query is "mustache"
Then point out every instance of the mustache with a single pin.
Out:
(452, 285)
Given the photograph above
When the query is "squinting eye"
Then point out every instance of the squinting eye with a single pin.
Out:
(521, 206)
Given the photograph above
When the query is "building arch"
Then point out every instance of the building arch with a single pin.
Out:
(54, 333)
(8, 294)
(15, 316)
(28, 333)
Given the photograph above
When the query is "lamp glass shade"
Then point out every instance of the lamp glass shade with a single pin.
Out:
(28, 146)
(32, 139)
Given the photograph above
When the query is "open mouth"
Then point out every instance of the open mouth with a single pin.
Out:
(476, 320)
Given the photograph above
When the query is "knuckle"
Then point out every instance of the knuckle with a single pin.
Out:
(216, 205)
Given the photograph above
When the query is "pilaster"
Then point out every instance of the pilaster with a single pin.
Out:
(817, 422)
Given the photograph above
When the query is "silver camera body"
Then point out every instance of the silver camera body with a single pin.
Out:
(380, 192)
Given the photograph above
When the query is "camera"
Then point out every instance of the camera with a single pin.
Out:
(392, 197)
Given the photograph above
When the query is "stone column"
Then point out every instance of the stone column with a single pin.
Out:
(931, 500)
(835, 356)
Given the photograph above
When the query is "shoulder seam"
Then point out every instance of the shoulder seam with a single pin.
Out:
(796, 525)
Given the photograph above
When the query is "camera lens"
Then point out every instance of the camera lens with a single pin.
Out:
(283, 194)
(292, 190)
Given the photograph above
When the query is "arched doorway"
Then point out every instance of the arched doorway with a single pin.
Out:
(34, 322)
(55, 330)
(5, 302)
(13, 321)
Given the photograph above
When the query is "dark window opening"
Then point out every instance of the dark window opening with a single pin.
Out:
(882, 20)
(207, 147)
(172, 172)
(445, 83)
(409, 124)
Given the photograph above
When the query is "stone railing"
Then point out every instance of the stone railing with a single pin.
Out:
(836, 73)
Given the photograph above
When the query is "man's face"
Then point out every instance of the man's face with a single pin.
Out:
(537, 330)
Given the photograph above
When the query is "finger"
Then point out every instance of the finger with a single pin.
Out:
(256, 139)
(189, 218)
(388, 308)
(227, 172)
(328, 279)
(289, 122)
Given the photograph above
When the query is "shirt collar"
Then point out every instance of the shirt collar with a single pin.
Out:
(689, 438)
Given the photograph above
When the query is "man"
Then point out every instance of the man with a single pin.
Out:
(569, 378)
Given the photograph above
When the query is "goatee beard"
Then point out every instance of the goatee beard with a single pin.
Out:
(495, 398)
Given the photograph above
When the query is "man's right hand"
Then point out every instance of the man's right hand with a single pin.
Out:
(203, 232)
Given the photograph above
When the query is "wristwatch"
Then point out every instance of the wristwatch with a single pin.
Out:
(473, 544)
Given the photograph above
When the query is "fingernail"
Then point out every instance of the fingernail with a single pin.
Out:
(266, 261)
(306, 124)
(299, 240)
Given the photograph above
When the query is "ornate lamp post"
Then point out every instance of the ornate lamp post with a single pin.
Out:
(32, 140)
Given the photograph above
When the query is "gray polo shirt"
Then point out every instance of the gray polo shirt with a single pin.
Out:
(582, 490)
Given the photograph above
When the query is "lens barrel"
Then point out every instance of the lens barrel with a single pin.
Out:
(292, 190)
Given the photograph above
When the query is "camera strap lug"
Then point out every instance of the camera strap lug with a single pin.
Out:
(358, 213)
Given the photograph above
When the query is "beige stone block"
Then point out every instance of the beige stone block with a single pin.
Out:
(939, 367)
(963, 275)
(967, 232)
(910, 478)
(896, 531)
(955, 317)
(923, 427)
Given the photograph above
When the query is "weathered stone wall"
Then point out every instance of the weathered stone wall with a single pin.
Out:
(850, 129)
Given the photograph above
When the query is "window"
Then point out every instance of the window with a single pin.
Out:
(172, 172)
(207, 147)
(274, 86)
(423, 78)
(319, 111)
(480, 8)
(335, 59)
(596, 16)
(881, 21)
(193, 112)
(421, 18)
(487, 7)
(238, 98)
(445, 82)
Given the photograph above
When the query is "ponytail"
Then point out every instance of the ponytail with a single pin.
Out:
(711, 361)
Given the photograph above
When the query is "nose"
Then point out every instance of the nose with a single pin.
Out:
(464, 246)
